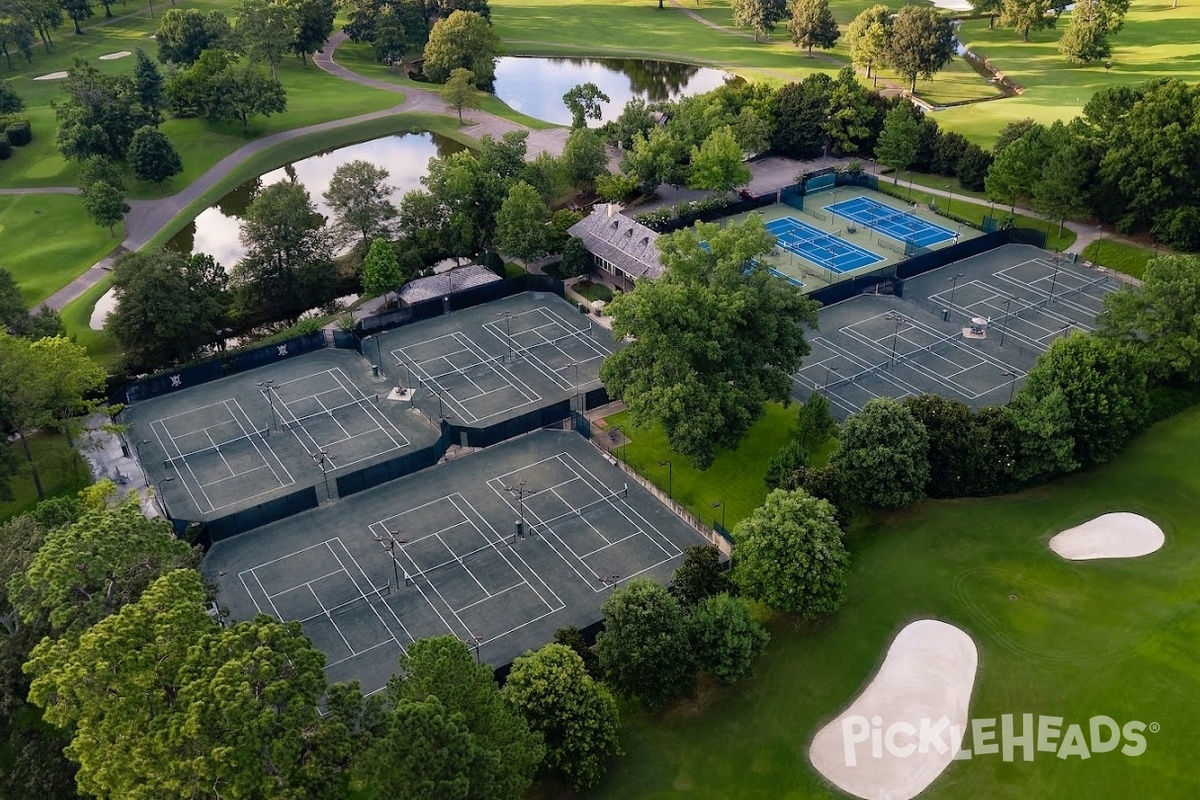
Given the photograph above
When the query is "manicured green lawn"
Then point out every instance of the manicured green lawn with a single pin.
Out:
(735, 477)
(1081, 639)
(1157, 41)
(1121, 256)
(62, 470)
(48, 240)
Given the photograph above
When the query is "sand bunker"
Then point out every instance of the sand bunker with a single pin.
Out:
(115, 56)
(874, 748)
(51, 76)
(1119, 535)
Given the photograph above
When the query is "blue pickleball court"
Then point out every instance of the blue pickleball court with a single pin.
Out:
(903, 226)
(826, 250)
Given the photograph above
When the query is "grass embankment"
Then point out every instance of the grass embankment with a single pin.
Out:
(1080, 639)
(735, 477)
(313, 96)
(1120, 256)
(48, 242)
(1157, 41)
(62, 470)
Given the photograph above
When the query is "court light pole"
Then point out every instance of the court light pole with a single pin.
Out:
(950, 199)
(1012, 383)
(1054, 280)
(666, 462)
(895, 334)
(162, 500)
(721, 503)
(825, 388)
(477, 640)
(265, 388)
(389, 547)
(141, 463)
(1004, 330)
(319, 458)
(953, 286)
(578, 398)
(507, 331)
(378, 357)
(521, 491)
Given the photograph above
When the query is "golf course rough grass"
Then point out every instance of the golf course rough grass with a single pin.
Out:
(1116, 638)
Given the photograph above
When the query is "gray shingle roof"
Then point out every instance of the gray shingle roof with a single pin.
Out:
(630, 245)
(444, 283)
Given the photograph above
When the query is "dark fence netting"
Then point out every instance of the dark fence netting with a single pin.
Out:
(391, 469)
(248, 519)
(511, 428)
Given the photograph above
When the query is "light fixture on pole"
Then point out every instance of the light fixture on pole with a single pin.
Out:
(1004, 330)
(319, 458)
(138, 447)
(721, 503)
(950, 199)
(895, 333)
(666, 462)
(1012, 383)
(953, 286)
(825, 388)
(389, 546)
(162, 500)
(268, 393)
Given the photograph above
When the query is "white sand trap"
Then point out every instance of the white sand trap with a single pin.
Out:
(926, 680)
(1119, 535)
(953, 5)
(115, 56)
(51, 76)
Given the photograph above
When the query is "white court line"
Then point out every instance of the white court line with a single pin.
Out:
(175, 465)
(483, 359)
(336, 627)
(552, 318)
(290, 480)
(357, 588)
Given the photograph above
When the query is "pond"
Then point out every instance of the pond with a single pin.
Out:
(215, 231)
(535, 86)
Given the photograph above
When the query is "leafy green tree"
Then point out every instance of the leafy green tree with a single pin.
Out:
(77, 11)
(1103, 387)
(287, 253)
(381, 271)
(717, 163)
(361, 200)
(165, 703)
(583, 158)
(86, 571)
(572, 638)
(644, 649)
(1018, 168)
(265, 31)
(852, 114)
(1024, 16)
(635, 118)
(169, 306)
(99, 114)
(790, 555)
(576, 260)
(521, 229)
(100, 169)
(897, 146)
(1042, 442)
(920, 44)
(151, 156)
(759, 15)
(459, 91)
(1061, 190)
(711, 340)
(463, 39)
(1011, 132)
(1160, 319)
(575, 715)
(812, 24)
(17, 34)
(867, 37)
(106, 205)
(726, 638)
(1085, 41)
(583, 101)
(241, 91)
(148, 83)
(815, 426)
(10, 101)
(752, 130)
(958, 452)
(546, 174)
(314, 24)
(700, 575)
(800, 112)
(445, 668)
(988, 8)
(973, 167)
(655, 159)
(18, 321)
(183, 34)
(883, 455)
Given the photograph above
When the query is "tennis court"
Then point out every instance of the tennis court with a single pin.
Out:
(484, 364)
(885, 346)
(904, 226)
(825, 249)
(223, 446)
(499, 548)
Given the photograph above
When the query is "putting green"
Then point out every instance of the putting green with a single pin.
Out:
(1079, 639)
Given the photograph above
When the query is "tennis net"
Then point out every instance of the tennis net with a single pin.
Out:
(485, 363)
(620, 494)
(362, 403)
(875, 218)
(455, 559)
(376, 593)
(215, 447)
(794, 243)
(900, 359)
(519, 351)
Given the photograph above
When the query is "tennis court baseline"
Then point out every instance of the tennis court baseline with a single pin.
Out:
(549, 343)
(826, 250)
(904, 226)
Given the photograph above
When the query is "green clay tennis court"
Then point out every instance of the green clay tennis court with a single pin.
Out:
(499, 548)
